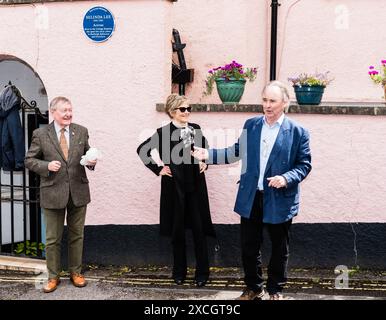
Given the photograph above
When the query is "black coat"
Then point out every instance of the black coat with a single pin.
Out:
(12, 147)
(173, 189)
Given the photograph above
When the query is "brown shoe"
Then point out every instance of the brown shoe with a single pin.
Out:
(51, 285)
(276, 296)
(78, 280)
(249, 294)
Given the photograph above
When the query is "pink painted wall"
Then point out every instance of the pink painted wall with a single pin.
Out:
(347, 183)
(224, 30)
(344, 37)
(115, 85)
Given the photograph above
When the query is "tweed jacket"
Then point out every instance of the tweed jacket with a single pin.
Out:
(56, 187)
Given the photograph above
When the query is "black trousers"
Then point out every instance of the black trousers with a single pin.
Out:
(192, 219)
(251, 240)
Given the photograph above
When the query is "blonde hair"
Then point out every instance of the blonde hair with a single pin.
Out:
(173, 101)
(58, 100)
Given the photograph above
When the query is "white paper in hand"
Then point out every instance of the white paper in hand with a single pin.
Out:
(91, 155)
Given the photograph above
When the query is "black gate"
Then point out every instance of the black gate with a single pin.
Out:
(20, 213)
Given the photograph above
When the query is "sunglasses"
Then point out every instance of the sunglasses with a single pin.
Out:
(183, 109)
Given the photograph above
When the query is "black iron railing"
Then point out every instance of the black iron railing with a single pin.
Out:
(21, 194)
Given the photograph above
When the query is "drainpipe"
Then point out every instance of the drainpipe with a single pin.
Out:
(274, 10)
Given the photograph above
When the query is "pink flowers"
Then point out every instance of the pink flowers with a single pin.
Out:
(376, 76)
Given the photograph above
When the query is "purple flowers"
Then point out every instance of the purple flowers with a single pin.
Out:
(312, 80)
(231, 71)
(376, 76)
(235, 68)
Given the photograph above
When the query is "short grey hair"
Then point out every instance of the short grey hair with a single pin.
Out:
(281, 86)
(58, 100)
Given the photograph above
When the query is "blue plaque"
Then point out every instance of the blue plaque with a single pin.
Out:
(98, 24)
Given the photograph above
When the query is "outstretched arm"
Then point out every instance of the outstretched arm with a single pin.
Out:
(228, 155)
(218, 156)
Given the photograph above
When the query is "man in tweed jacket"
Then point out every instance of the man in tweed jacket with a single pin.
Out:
(55, 155)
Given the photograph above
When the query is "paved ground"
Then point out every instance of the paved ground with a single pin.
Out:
(102, 290)
(124, 283)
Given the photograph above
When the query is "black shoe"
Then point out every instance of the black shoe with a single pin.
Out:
(179, 281)
(201, 283)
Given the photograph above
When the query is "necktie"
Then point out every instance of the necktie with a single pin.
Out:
(63, 143)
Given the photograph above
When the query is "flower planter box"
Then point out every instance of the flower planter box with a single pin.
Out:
(230, 91)
(309, 94)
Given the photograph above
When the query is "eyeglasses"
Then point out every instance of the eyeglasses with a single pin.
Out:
(183, 109)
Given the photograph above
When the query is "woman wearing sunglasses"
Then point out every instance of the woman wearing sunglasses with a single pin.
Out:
(184, 196)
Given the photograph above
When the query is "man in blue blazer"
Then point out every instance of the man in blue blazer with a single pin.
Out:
(276, 157)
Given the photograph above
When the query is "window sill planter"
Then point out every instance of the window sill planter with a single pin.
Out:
(230, 91)
(310, 95)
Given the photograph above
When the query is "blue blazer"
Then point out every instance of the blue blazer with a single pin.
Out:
(290, 157)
